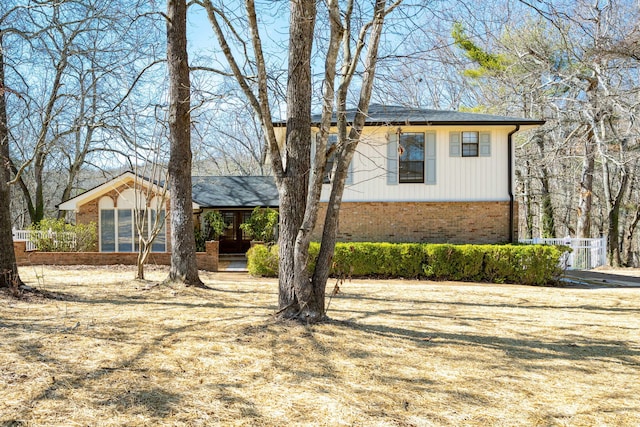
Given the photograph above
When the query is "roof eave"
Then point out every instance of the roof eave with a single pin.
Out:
(248, 207)
(448, 123)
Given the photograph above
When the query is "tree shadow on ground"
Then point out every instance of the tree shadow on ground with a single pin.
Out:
(524, 349)
(154, 401)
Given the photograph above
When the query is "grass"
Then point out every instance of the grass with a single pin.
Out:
(118, 352)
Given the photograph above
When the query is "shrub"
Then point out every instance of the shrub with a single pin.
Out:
(378, 259)
(200, 240)
(54, 235)
(261, 224)
(524, 264)
(262, 260)
(454, 262)
(500, 263)
(213, 226)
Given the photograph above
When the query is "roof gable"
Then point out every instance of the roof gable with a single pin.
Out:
(126, 178)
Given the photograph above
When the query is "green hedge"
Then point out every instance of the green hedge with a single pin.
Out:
(524, 264)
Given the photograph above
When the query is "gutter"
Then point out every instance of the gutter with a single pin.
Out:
(510, 180)
(437, 123)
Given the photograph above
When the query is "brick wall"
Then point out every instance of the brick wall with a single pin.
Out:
(431, 222)
(206, 260)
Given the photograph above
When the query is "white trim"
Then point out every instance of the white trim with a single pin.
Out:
(127, 205)
(74, 203)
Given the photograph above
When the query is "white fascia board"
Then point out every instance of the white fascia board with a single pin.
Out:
(74, 203)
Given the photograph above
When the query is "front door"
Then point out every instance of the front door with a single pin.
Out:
(234, 241)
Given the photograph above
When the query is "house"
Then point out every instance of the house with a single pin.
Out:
(422, 175)
(112, 205)
(418, 175)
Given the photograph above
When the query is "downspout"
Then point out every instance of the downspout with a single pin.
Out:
(510, 180)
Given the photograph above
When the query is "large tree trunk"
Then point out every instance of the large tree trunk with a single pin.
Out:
(614, 205)
(585, 200)
(295, 296)
(183, 245)
(8, 269)
(301, 297)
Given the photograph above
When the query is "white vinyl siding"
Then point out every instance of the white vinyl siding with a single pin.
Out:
(447, 177)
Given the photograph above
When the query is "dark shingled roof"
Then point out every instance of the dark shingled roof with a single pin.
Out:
(235, 191)
(380, 115)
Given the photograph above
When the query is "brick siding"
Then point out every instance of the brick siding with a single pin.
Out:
(206, 260)
(429, 222)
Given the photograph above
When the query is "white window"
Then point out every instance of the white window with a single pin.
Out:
(107, 225)
(119, 225)
(470, 144)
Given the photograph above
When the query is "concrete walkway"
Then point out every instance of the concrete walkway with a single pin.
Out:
(601, 279)
(233, 262)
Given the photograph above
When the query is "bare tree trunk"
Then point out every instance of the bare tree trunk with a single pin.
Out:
(299, 296)
(633, 226)
(583, 226)
(183, 245)
(8, 269)
(345, 154)
(613, 206)
(548, 228)
(526, 200)
(295, 296)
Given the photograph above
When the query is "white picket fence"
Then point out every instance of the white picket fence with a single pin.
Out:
(586, 254)
(66, 238)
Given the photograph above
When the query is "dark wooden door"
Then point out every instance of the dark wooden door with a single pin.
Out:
(234, 241)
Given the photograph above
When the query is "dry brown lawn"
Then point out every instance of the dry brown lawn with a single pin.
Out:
(114, 353)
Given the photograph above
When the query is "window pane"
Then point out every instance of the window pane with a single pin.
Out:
(411, 160)
(469, 150)
(245, 217)
(107, 231)
(469, 137)
(159, 244)
(229, 231)
(470, 144)
(125, 230)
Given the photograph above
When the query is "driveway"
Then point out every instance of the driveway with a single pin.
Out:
(602, 279)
